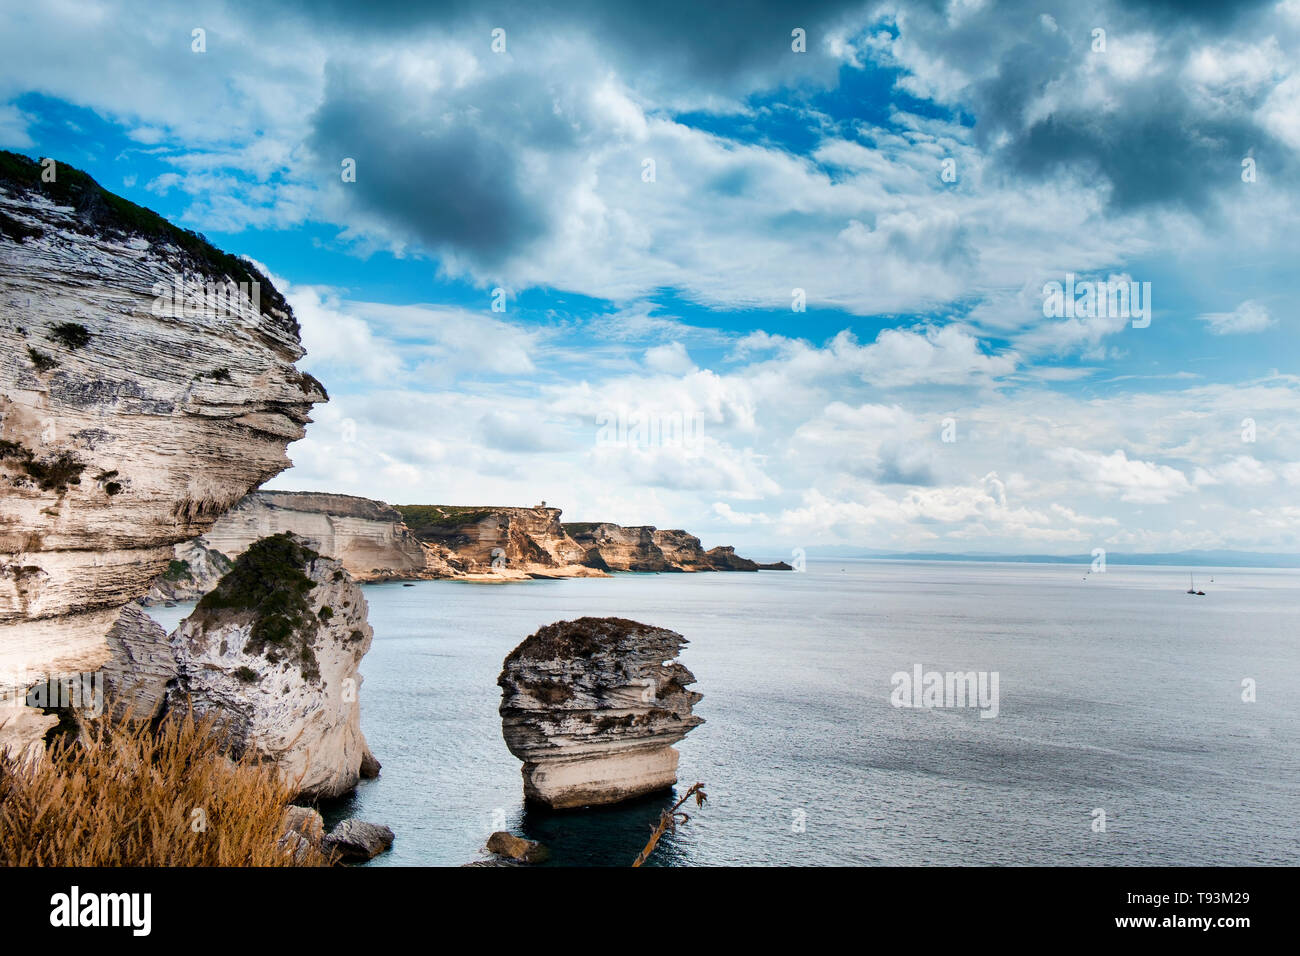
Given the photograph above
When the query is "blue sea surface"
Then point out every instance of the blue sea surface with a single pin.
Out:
(1118, 692)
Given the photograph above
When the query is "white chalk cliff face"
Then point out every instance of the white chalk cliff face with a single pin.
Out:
(126, 425)
(367, 536)
(376, 542)
(592, 707)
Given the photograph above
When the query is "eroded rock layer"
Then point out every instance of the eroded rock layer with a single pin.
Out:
(367, 536)
(130, 417)
(592, 707)
(525, 542)
(645, 548)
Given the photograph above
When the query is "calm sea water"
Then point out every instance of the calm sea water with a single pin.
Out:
(1118, 692)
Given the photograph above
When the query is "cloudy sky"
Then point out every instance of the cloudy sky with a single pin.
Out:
(828, 266)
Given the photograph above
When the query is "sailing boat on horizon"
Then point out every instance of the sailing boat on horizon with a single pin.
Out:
(1192, 588)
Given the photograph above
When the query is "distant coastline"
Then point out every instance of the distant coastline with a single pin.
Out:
(1183, 559)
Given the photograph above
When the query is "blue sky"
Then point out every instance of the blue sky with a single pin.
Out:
(669, 299)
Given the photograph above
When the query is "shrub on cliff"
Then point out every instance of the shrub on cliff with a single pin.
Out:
(127, 796)
(178, 570)
(269, 583)
(437, 520)
(71, 335)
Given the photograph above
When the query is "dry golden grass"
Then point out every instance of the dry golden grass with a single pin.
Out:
(126, 796)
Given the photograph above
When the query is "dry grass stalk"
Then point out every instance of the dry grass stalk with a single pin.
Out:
(671, 819)
(132, 795)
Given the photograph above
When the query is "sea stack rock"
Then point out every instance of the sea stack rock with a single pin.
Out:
(592, 707)
(273, 652)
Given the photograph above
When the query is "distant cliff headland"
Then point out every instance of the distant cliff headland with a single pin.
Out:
(376, 541)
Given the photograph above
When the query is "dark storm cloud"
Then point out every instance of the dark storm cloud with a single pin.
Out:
(1155, 158)
(669, 40)
(1154, 143)
(449, 175)
(1213, 12)
(443, 175)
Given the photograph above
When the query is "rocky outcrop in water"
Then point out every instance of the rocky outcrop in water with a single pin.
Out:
(507, 846)
(273, 652)
(355, 841)
(592, 707)
(130, 417)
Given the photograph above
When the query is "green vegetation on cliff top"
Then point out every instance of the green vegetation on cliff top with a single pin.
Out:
(439, 519)
(269, 582)
(97, 207)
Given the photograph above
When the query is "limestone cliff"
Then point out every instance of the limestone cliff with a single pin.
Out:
(274, 653)
(194, 572)
(376, 541)
(130, 417)
(367, 536)
(619, 548)
(141, 666)
(500, 541)
(592, 707)
(644, 548)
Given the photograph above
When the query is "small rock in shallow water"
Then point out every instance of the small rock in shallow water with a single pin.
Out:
(358, 841)
(511, 847)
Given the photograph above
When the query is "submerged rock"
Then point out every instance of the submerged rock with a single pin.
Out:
(507, 845)
(356, 841)
(592, 707)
